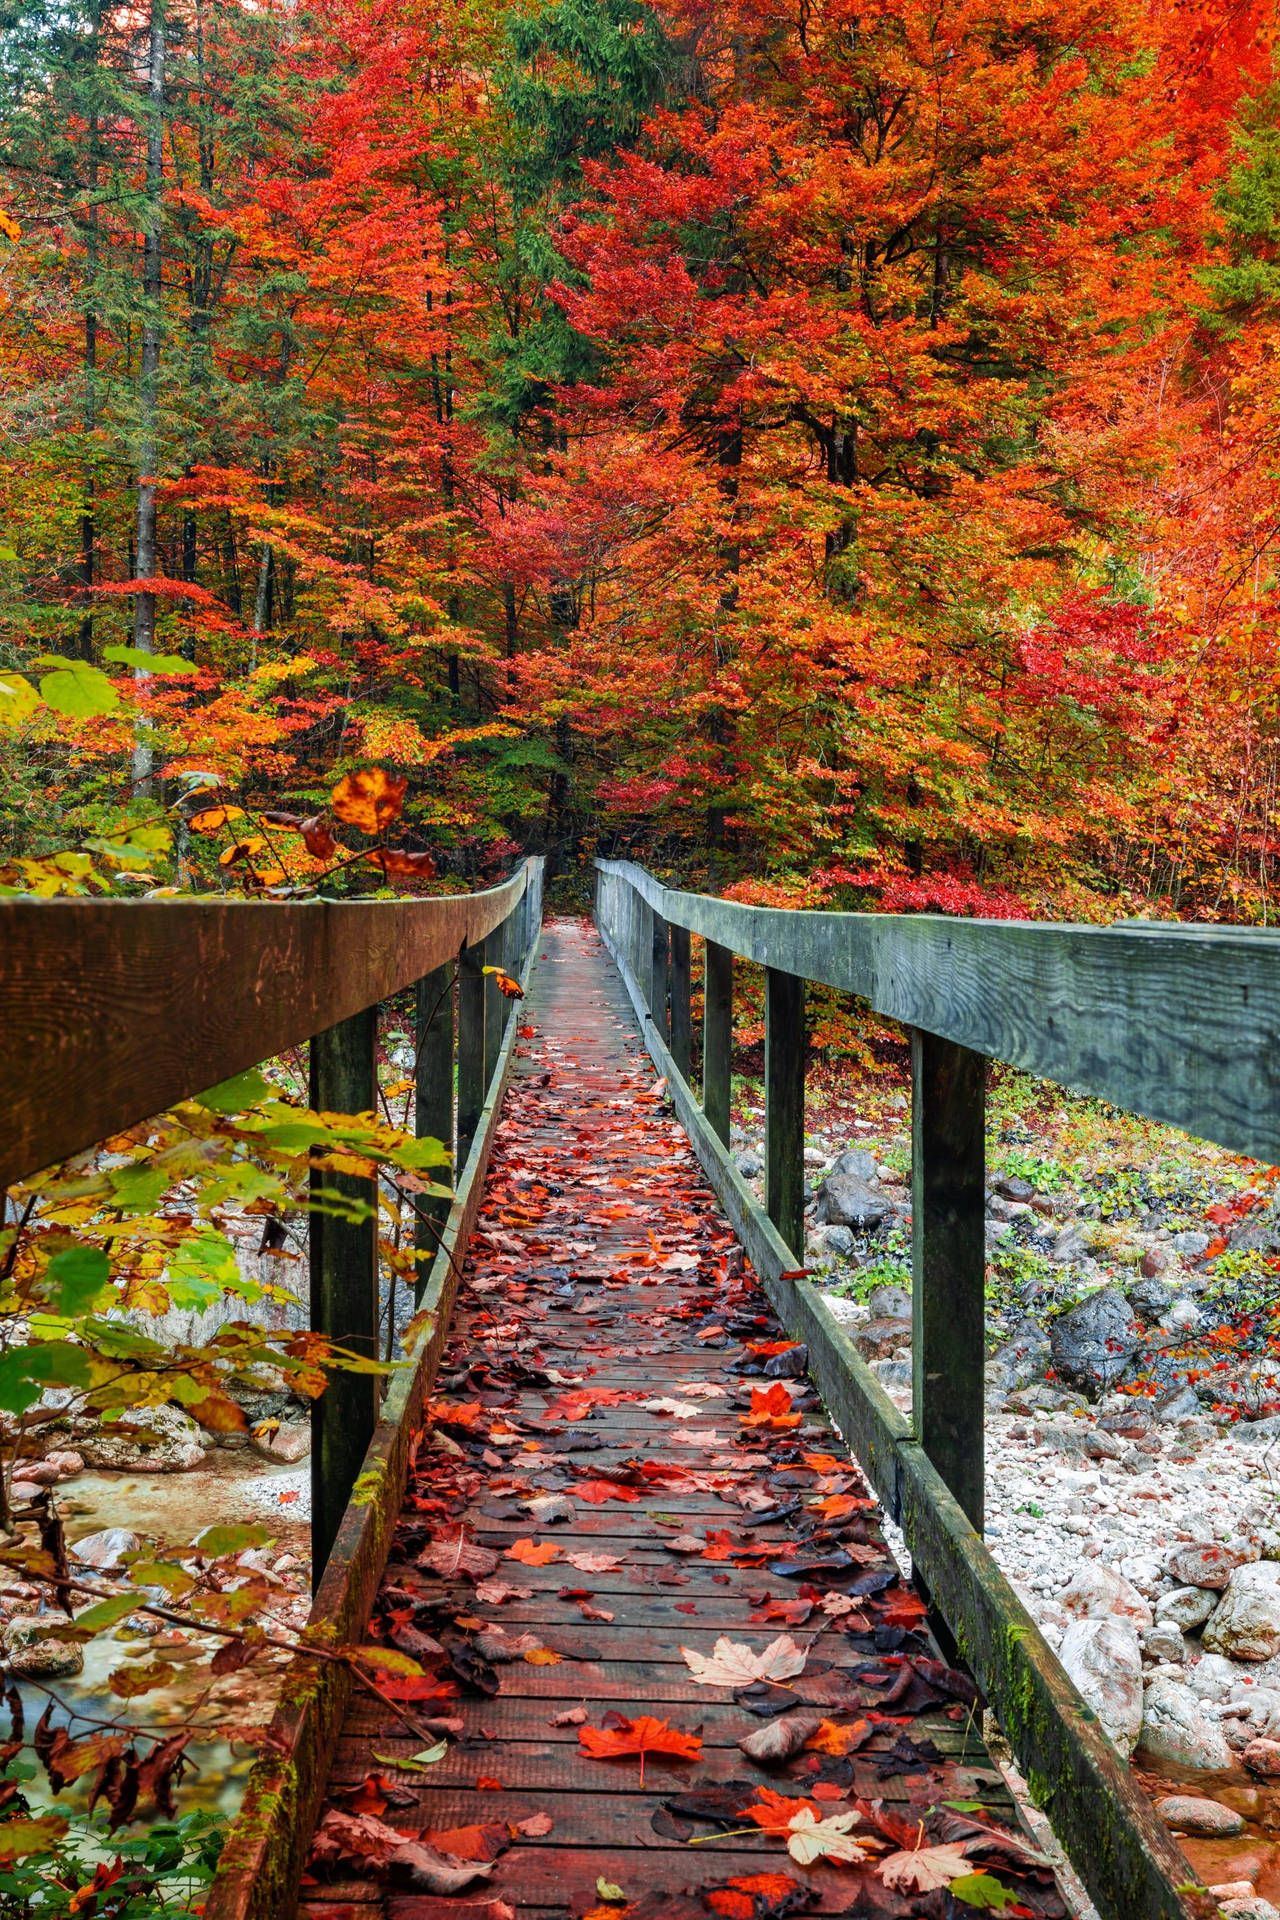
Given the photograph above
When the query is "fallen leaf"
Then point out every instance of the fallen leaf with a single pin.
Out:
(530, 1554)
(594, 1562)
(733, 1664)
(571, 1717)
(492, 1593)
(679, 1409)
(771, 1409)
(451, 1557)
(837, 1741)
(774, 1812)
(596, 1492)
(543, 1657)
(417, 1762)
(811, 1839)
(779, 1739)
(641, 1736)
(924, 1868)
(470, 1843)
(758, 1896)
(536, 1827)
(487, 1784)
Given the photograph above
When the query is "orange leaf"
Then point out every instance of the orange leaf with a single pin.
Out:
(771, 1407)
(645, 1735)
(394, 860)
(597, 1491)
(533, 1555)
(487, 1784)
(748, 1894)
(829, 1738)
(317, 839)
(370, 799)
(774, 1812)
(469, 1843)
(543, 1657)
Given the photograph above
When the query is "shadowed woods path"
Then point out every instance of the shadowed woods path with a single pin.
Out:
(626, 1462)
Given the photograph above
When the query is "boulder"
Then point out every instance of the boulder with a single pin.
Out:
(1092, 1343)
(1174, 1728)
(1206, 1819)
(1186, 1607)
(1094, 1592)
(1190, 1245)
(1246, 1624)
(31, 1657)
(1212, 1677)
(1207, 1563)
(1263, 1757)
(750, 1165)
(105, 1550)
(1155, 1261)
(880, 1339)
(844, 1201)
(289, 1443)
(1250, 1907)
(1011, 1186)
(1145, 1571)
(1173, 1408)
(888, 1302)
(145, 1440)
(855, 1163)
(836, 1240)
(1164, 1641)
(1103, 1658)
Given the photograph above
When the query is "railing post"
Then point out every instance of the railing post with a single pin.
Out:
(433, 1105)
(681, 1015)
(344, 1283)
(471, 1049)
(494, 1001)
(658, 990)
(717, 1038)
(641, 955)
(948, 1257)
(784, 1106)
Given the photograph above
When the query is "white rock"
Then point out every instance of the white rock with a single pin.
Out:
(1246, 1624)
(1213, 1678)
(1186, 1607)
(1252, 1908)
(1174, 1728)
(1164, 1641)
(105, 1550)
(1145, 1572)
(1094, 1592)
(1102, 1656)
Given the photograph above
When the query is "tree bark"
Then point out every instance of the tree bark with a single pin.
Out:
(144, 603)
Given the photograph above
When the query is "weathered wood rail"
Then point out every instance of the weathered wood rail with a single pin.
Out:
(1179, 1023)
(112, 1011)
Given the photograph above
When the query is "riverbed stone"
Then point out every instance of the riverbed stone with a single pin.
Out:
(1175, 1728)
(1092, 1343)
(1209, 1563)
(144, 1440)
(106, 1549)
(1186, 1607)
(289, 1443)
(32, 1657)
(1263, 1757)
(844, 1201)
(1095, 1592)
(1102, 1656)
(1207, 1819)
(1246, 1624)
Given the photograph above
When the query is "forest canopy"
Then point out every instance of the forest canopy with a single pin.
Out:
(824, 450)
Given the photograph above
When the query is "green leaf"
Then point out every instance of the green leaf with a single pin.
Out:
(18, 700)
(234, 1095)
(148, 662)
(215, 1541)
(203, 1269)
(24, 1371)
(77, 1276)
(606, 1890)
(982, 1890)
(424, 1152)
(139, 1188)
(107, 1613)
(387, 1660)
(79, 691)
(174, 1580)
(418, 1762)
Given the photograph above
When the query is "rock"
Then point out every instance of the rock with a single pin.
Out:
(1070, 1243)
(814, 1157)
(1212, 1677)
(1252, 1907)
(855, 1163)
(750, 1165)
(1246, 1624)
(1173, 1408)
(1092, 1343)
(290, 1442)
(1023, 1358)
(66, 1463)
(1186, 1607)
(836, 1240)
(846, 1202)
(1165, 1642)
(892, 1373)
(1103, 1658)
(879, 1339)
(1207, 1563)
(1183, 1316)
(1149, 1296)
(105, 1550)
(1145, 1572)
(1154, 1261)
(1011, 1186)
(1232, 1890)
(1174, 1728)
(1190, 1245)
(1094, 1592)
(1258, 1433)
(33, 1658)
(1207, 1819)
(145, 1440)
(889, 1302)
(1263, 1757)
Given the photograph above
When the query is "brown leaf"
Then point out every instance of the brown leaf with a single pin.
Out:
(923, 1869)
(536, 1827)
(317, 837)
(456, 1556)
(470, 1843)
(369, 799)
(780, 1739)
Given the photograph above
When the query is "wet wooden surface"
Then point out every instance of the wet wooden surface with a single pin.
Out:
(602, 1277)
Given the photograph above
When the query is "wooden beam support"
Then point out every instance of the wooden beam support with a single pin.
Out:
(717, 1038)
(344, 1283)
(784, 1106)
(495, 1004)
(658, 989)
(681, 1013)
(433, 1106)
(471, 1049)
(948, 1259)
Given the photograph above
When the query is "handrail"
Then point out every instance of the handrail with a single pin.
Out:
(112, 1010)
(1071, 1004)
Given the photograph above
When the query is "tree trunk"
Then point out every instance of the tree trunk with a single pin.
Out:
(144, 603)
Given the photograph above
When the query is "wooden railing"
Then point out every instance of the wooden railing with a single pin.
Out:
(111, 1011)
(1179, 1023)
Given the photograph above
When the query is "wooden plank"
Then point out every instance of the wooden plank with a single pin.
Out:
(659, 987)
(126, 1007)
(472, 1022)
(717, 1038)
(343, 1258)
(948, 1254)
(784, 1106)
(1141, 1017)
(262, 1861)
(1129, 1863)
(433, 1102)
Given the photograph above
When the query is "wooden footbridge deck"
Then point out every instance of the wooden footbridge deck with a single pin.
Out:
(639, 1646)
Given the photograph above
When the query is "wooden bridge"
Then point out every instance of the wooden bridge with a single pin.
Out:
(613, 1401)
